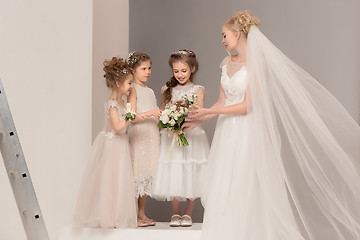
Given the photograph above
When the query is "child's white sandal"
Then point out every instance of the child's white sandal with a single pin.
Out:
(175, 223)
(186, 222)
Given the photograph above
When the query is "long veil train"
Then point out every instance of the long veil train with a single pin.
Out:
(314, 141)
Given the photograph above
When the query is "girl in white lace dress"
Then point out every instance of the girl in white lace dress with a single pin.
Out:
(106, 197)
(180, 171)
(143, 134)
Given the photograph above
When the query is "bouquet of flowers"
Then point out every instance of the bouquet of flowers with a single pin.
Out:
(173, 117)
(130, 113)
(190, 102)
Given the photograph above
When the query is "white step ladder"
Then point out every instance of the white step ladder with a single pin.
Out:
(19, 176)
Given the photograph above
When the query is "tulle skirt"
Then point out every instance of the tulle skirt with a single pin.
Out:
(181, 170)
(106, 198)
(238, 203)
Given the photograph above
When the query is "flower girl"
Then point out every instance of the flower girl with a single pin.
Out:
(144, 134)
(180, 170)
(106, 197)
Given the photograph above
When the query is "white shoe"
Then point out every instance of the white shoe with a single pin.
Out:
(185, 222)
(175, 222)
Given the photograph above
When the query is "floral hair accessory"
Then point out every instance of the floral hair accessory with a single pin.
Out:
(131, 59)
(184, 52)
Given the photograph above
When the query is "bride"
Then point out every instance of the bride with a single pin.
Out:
(284, 161)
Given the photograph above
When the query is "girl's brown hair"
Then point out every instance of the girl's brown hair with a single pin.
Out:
(115, 70)
(136, 58)
(182, 55)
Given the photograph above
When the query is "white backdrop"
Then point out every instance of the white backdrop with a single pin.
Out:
(45, 66)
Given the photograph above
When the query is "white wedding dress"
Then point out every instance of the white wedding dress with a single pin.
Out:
(235, 202)
(289, 168)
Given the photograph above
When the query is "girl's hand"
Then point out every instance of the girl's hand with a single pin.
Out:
(188, 125)
(198, 114)
(156, 113)
(142, 116)
(181, 102)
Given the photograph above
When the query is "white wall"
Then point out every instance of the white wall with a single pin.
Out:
(45, 66)
(110, 38)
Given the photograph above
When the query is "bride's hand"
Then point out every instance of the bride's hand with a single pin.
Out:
(198, 114)
(188, 125)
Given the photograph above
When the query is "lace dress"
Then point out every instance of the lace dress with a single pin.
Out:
(106, 197)
(236, 203)
(181, 170)
(144, 143)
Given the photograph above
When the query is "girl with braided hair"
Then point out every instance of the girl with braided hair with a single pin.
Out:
(180, 170)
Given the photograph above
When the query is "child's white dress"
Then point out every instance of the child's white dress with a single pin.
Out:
(144, 143)
(106, 197)
(180, 172)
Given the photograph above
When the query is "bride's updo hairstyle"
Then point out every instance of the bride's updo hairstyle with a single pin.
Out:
(242, 21)
(184, 55)
(115, 70)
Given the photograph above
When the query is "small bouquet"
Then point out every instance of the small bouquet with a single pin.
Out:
(190, 102)
(130, 113)
(173, 118)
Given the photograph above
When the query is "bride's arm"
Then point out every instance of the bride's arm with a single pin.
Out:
(198, 121)
(204, 114)
(219, 103)
(240, 108)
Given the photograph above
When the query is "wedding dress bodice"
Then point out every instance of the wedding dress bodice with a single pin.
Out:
(234, 86)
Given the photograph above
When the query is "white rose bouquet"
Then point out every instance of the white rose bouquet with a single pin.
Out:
(130, 113)
(173, 118)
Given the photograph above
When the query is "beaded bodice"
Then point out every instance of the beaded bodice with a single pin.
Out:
(234, 86)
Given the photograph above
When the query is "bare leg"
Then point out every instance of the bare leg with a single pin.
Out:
(141, 204)
(143, 220)
(176, 217)
(176, 206)
(189, 207)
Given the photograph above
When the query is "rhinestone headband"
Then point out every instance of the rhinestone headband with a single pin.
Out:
(184, 52)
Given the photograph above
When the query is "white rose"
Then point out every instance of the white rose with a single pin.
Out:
(172, 122)
(166, 112)
(173, 108)
(164, 119)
